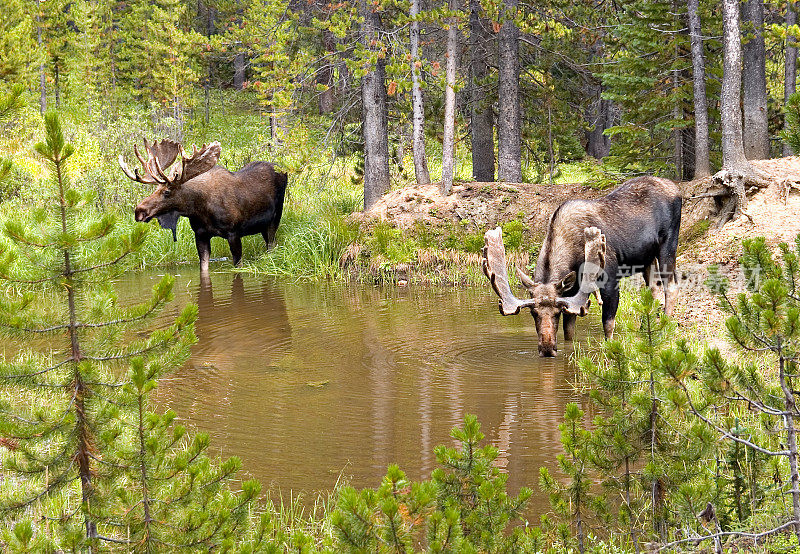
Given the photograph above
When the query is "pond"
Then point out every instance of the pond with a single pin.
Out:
(310, 383)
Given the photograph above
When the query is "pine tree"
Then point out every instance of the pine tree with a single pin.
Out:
(640, 449)
(19, 55)
(571, 500)
(646, 81)
(765, 319)
(463, 508)
(181, 499)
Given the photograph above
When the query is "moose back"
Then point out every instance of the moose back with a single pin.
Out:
(217, 202)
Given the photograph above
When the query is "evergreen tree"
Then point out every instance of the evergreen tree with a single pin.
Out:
(648, 82)
(86, 451)
(571, 500)
(765, 319)
(463, 508)
(19, 54)
(643, 450)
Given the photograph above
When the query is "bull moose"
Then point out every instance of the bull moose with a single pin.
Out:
(217, 202)
(638, 225)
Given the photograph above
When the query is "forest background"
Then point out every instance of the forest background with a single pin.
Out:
(352, 99)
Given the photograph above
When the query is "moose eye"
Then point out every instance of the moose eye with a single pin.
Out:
(167, 193)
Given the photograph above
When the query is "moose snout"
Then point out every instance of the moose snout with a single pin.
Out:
(547, 350)
(140, 214)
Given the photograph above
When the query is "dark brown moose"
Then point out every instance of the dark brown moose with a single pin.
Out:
(632, 229)
(217, 202)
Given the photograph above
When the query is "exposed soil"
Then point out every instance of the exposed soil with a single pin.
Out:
(772, 212)
(480, 205)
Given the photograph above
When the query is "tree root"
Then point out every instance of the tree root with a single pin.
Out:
(730, 188)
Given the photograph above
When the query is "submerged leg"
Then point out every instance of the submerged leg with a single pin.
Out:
(203, 251)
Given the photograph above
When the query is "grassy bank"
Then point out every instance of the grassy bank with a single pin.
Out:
(320, 235)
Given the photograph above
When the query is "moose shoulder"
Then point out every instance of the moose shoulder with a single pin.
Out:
(633, 229)
(217, 202)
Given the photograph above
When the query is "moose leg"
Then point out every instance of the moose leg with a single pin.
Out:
(203, 244)
(269, 235)
(652, 277)
(569, 325)
(236, 250)
(610, 296)
(668, 274)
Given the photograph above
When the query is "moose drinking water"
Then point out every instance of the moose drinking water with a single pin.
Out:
(633, 229)
(217, 202)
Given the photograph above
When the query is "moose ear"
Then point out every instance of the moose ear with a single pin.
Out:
(566, 283)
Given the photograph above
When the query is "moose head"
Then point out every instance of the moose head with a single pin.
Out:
(547, 300)
(165, 203)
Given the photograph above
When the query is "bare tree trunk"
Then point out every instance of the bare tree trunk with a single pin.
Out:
(418, 132)
(509, 120)
(598, 111)
(754, 76)
(210, 29)
(732, 142)
(677, 115)
(481, 116)
(57, 83)
(448, 141)
(239, 70)
(790, 69)
(325, 73)
(791, 440)
(375, 124)
(598, 114)
(702, 162)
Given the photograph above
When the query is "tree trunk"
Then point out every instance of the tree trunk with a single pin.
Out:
(239, 71)
(375, 124)
(598, 111)
(677, 115)
(325, 73)
(754, 76)
(791, 442)
(702, 162)
(598, 115)
(509, 120)
(57, 83)
(418, 132)
(733, 156)
(790, 69)
(481, 116)
(448, 141)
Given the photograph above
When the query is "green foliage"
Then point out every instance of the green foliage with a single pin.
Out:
(791, 114)
(11, 104)
(85, 451)
(389, 241)
(463, 508)
(19, 54)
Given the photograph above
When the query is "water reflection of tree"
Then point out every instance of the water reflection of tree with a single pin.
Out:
(236, 332)
(320, 379)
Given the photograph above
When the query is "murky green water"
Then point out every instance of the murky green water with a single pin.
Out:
(307, 382)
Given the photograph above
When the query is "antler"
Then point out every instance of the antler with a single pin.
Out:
(161, 155)
(494, 267)
(595, 255)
